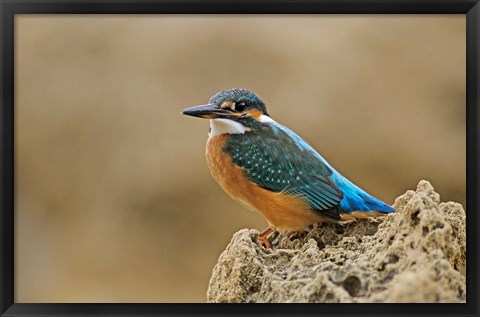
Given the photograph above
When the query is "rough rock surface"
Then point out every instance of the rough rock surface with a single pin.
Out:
(416, 254)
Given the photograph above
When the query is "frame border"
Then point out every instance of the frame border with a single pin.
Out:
(8, 10)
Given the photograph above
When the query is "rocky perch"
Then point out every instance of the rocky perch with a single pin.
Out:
(416, 254)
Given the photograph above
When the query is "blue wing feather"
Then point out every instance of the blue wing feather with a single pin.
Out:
(276, 158)
(354, 198)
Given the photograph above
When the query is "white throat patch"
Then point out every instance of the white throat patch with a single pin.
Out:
(222, 126)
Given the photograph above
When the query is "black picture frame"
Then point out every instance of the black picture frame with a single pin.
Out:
(9, 8)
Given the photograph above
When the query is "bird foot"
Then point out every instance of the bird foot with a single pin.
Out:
(291, 235)
(263, 237)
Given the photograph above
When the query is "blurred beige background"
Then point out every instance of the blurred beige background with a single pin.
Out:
(114, 201)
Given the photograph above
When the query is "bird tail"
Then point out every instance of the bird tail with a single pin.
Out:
(357, 200)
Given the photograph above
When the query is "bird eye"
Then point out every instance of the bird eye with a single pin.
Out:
(240, 106)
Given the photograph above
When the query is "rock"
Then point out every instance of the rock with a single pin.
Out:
(416, 254)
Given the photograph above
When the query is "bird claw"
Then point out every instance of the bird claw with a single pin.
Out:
(263, 237)
(267, 233)
(265, 242)
(294, 235)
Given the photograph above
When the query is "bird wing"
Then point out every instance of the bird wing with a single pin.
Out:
(277, 159)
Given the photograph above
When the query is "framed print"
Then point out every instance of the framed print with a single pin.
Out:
(197, 158)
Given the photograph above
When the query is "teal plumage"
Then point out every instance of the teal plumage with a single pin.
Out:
(277, 159)
(275, 163)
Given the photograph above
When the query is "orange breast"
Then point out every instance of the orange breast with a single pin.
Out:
(284, 212)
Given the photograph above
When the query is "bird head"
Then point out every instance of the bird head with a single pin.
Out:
(232, 111)
(232, 104)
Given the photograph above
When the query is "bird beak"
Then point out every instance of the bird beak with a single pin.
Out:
(209, 111)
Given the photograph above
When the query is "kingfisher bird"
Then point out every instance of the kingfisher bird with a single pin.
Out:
(268, 168)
